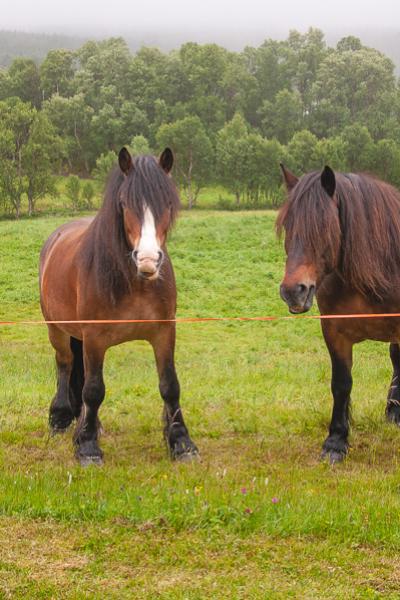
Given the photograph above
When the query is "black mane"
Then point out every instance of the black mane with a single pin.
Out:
(105, 250)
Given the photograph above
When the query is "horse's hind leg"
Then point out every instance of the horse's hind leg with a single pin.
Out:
(179, 444)
(393, 398)
(61, 414)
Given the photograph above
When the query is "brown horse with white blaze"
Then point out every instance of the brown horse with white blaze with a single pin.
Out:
(342, 240)
(114, 267)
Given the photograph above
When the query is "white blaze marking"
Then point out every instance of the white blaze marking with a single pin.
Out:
(148, 247)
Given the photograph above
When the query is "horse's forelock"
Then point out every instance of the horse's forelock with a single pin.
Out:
(364, 219)
(105, 249)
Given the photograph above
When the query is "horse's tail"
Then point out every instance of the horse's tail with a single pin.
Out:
(77, 378)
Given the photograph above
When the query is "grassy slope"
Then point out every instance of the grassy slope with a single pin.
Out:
(256, 398)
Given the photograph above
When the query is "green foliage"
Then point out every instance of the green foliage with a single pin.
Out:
(139, 145)
(87, 195)
(29, 151)
(282, 117)
(385, 157)
(41, 155)
(229, 159)
(303, 152)
(56, 73)
(104, 164)
(73, 187)
(299, 99)
(71, 118)
(193, 152)
(359, 146)
(24, 81)
(332, 152)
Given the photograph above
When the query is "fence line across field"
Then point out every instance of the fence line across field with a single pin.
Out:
(179, 320)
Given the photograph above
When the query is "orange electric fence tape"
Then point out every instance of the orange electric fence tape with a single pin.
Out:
(199, 319)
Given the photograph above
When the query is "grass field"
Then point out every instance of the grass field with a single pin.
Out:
(260, 516)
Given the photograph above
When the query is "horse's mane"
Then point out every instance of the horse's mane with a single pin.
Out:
(365, 226)
(105, 250)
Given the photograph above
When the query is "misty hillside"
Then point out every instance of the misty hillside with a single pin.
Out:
(37, 45)
(33, 45)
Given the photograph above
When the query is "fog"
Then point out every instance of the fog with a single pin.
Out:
(209, 18)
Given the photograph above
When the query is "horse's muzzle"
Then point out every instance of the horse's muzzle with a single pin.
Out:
(148, 267)
(299, 297)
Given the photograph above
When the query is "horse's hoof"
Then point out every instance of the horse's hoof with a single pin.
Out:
(393, 414)
(60, 421)
(333, 456)
(88, 453)
(86, 461)
(184, 451)
(57, 430)
(187, 457)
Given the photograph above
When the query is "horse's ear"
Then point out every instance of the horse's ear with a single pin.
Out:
(290, 179)
(125, 161)
(328, 181)
(166, 160)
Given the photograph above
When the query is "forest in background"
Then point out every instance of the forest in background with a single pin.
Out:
(230, 117)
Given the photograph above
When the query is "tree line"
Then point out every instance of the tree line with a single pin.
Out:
(230, 117)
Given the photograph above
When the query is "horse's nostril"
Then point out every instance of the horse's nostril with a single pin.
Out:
(160, 255)
(135, 255)
(301, 288)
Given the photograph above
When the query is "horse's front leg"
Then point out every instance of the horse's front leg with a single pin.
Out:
(87, 449)
(393, 398)
(180, 446)
(341, 351)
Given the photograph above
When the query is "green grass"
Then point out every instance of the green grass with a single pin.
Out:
(259, 516)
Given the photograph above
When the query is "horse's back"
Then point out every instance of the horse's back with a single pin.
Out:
(65, 234)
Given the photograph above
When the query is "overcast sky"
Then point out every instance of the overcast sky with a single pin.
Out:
(165, 15)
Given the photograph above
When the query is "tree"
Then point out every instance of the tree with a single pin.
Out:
(103, 64)
(229, 159)
(193, 153)
(16, 118)
(238, 86)
(261, 158)
(333, 152)
(40, 155)
(282, 117)
(349, 43)
(57, 73)
(11, 179)
(73, 187)
(104, 164)
(133, 120)
(72, 118)
(24, 81)
(87, 194)
(139, 145)
(350, 81)
(204, 67)
(359, 146)
(385, 157)
(302, 152)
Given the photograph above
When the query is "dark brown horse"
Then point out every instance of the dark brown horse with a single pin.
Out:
(114, 266)
(342, 239)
